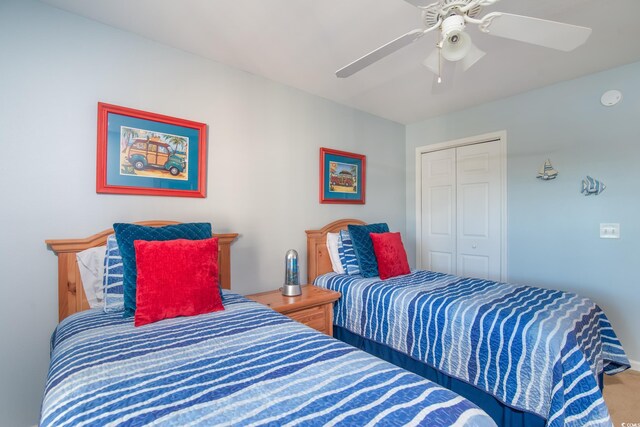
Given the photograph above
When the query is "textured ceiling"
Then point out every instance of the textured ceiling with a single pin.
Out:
(302, 43)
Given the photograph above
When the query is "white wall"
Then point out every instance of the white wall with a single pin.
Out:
(553, 230)
(264, 141)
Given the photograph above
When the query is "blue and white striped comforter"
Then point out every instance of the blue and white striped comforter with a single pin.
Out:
(536, 350)
(246, 365)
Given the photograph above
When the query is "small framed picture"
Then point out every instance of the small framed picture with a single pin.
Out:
(150, 154)
(342, 177)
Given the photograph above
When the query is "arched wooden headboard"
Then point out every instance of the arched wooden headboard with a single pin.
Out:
(71, 297)
(318, 261)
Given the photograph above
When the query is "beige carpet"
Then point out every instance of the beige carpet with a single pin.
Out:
(622, 394)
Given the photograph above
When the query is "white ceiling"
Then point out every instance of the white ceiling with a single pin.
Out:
(302, 43)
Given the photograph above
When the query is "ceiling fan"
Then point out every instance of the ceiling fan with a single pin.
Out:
(450, 17)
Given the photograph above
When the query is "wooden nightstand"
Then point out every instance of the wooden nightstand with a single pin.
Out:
(314, 307)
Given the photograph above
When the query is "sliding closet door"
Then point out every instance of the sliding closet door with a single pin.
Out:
(479, 240)
(438, 211)
(461, 211)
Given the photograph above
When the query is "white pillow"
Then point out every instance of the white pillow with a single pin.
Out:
(332, 246)
(91, 266)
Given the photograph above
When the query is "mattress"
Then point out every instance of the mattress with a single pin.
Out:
(536, 350)
(246, 365)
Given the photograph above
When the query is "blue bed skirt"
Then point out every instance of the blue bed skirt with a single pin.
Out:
(502, 414)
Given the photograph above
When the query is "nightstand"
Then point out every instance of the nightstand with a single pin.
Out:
(314, 307)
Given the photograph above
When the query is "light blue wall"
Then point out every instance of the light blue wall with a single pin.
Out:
(55, 68)
(553, 230)
(264, 141)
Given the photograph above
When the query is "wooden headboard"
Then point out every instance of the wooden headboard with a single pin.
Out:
(71, 297)
(318, 261)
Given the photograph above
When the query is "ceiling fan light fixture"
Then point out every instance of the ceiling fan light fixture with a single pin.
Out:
(433, 62)
(456, 44)
(474, 55)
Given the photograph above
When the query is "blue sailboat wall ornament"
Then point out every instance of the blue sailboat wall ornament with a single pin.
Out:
(547, 172)
(592, 186)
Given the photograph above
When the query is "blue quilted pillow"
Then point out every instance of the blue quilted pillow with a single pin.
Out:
(112, 281)
(127, 233)
(347, 254)
(364, 246)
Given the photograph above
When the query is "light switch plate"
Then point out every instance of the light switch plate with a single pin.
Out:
(609, 231)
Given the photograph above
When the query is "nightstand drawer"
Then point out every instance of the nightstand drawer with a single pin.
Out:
(314, 317)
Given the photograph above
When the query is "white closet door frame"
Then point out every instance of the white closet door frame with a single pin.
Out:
(479, 139)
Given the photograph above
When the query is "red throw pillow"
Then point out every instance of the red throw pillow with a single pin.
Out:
(176, 278)
(390, 253)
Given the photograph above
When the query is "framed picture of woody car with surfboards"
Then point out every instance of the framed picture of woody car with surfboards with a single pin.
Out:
(149, 154)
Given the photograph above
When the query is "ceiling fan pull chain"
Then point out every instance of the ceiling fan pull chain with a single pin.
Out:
(439, 46)
(439, 66)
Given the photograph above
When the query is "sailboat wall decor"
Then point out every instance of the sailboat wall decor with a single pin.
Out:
(547, 172)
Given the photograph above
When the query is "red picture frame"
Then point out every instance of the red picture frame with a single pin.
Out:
(174, 163)
(342, 177)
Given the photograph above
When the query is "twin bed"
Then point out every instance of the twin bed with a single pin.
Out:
(245, 365)
(528, 356)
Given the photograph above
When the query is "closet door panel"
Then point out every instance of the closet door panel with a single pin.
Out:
(478, 177)
(438, 211)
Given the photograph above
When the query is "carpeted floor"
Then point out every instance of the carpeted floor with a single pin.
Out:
(622, 394)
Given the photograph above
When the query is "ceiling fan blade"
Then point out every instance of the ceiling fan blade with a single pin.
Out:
(551, 34)
(380, 53)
